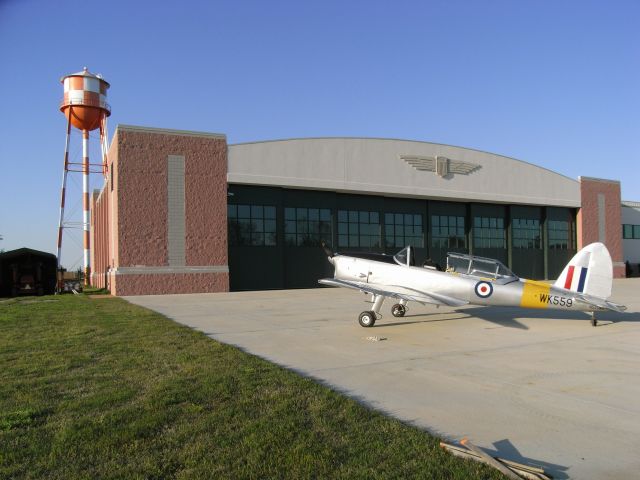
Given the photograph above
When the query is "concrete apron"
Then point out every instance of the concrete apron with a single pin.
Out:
(534, 386)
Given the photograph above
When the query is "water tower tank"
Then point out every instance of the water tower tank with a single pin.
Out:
(85, 99)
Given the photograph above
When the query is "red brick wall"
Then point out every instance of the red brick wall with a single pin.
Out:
(139, 200)
(100, 255)
(588, 230)
(159, 284)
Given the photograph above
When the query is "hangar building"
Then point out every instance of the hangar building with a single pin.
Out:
(184, 212)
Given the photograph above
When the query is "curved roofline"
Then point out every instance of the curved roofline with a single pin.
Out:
(405, 140)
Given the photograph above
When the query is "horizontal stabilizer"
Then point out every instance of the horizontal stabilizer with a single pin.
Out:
(600, 303)
(396, 291)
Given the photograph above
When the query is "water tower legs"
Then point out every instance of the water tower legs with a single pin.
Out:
(65, 170)
(85, 205)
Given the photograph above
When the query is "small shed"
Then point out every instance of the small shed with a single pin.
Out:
(27, 272)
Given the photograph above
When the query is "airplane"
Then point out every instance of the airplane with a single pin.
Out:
(584, 285)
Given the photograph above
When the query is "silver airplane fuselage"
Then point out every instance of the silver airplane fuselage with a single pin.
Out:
(475, 289)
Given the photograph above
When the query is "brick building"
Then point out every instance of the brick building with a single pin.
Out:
(183, 212)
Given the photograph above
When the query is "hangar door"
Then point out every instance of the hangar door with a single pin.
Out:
(527, 248)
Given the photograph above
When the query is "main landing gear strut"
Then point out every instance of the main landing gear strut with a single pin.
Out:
(368, 318)
(594, 320)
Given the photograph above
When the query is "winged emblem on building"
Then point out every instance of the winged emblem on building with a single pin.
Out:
(442, 166)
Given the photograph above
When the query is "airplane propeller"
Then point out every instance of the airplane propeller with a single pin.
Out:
(326, 249)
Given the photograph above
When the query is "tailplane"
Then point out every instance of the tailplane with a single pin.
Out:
(590, 272)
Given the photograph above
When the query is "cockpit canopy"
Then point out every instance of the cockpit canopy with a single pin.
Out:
(478, 267)
(405, 257)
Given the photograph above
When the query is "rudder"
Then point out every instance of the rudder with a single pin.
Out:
(589, 272)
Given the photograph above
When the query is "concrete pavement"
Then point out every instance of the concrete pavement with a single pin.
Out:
(534, 386)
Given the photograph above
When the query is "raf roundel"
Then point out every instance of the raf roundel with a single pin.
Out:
(484, 289)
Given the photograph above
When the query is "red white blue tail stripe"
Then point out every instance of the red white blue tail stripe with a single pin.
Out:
(576, 277)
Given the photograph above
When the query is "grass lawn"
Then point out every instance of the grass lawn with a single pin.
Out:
(100, 388)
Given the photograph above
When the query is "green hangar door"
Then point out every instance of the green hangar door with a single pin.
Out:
(489, 232)
(526, 241)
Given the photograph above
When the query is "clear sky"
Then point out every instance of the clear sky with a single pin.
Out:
(554, 83)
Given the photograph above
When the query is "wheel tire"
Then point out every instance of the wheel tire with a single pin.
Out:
(398, 310)
(594, 322)
(367, 319)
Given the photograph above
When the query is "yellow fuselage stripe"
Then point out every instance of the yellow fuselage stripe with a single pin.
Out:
(534, 294)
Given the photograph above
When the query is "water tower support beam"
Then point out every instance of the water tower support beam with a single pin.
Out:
(85, 204)
(65, 170)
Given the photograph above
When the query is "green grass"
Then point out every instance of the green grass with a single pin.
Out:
(99, 388)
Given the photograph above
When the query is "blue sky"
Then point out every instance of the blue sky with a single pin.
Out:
(554, 83)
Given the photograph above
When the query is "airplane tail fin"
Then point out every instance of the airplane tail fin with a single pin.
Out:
(589, 272)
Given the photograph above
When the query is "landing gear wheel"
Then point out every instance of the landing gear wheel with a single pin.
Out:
(398, 310)
(367, 319)
(594, 322)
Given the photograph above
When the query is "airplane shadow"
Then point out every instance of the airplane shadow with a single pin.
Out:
(508, 316)
(390, 321)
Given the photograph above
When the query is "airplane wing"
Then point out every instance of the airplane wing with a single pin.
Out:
(600, 303)
(396, 291)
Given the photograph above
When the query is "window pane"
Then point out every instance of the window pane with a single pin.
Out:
(325, 215)
(435, 221)
(374, 218)
(417, 219)
(353, 216)
(342, 216)
(270, 212)
(290, 239)
(289, 213)
(270, 239)
(270, 226)
(256, 211)
(244, 211)
(232, 211)
(627, 231)
(301, 214)
(257, 239)
(636, 231)
(289, 226)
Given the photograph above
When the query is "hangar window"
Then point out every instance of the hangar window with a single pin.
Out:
(448, 232)
(306, 227)
(558, 235)
(252, 225)
(489, 232)
(358, 228)
(403, 229)
(526, 233)
(631, 231)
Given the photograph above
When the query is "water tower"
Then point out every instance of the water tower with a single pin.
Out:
(85, 106)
